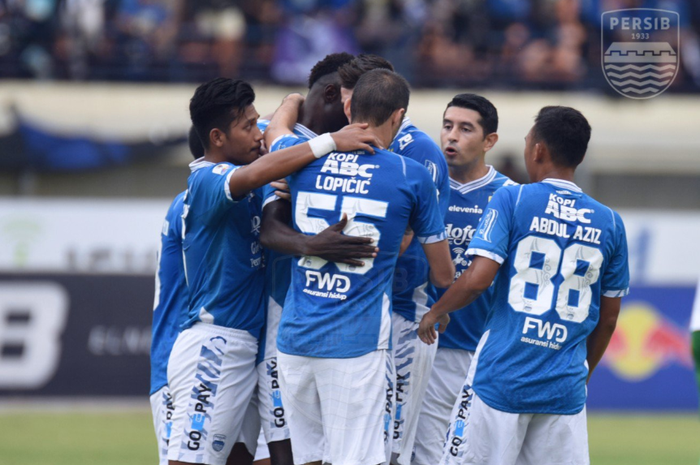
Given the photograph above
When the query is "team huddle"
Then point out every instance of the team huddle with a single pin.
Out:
(358, 295)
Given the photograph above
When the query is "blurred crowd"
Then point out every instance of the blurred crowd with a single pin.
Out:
(547, 44)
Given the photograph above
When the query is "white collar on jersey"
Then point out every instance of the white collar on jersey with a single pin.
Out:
(300, 128)
(404, 124)
(560, 183)
(200, 163)
(476, 184)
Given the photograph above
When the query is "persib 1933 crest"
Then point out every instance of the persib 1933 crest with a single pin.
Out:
(640, 50)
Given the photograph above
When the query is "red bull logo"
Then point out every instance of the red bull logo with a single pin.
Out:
(644, 342)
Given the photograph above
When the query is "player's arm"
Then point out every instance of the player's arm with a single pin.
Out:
(284, 118)
(279, 164)
(475, 280)
(599, 339)
(406, 241)
(330, 244)
(442, 269)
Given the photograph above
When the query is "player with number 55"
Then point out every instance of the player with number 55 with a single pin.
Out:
(559, 261)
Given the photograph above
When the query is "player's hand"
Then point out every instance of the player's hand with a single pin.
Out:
(282, 189)
(426, 329)
(294, 98)
(332, 245)
(355, 137)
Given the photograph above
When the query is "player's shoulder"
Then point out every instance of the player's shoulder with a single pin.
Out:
(501, 180)
(177, 204)
(263, 124)
(410, 138)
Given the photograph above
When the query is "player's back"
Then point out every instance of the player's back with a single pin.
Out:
(562, 251)
(170, 301)
(336, 310)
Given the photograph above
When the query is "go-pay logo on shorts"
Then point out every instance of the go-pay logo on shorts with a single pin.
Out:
(639, 48)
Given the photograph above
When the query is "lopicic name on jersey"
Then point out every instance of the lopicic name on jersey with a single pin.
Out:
(565, 209)
(345, 164)
(555, 228)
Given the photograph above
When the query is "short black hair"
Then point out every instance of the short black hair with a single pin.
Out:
(377, 95)
(217, 103)
(196, 147)
(481, 105)
(565, 132)
(351, 72)
(330, 64)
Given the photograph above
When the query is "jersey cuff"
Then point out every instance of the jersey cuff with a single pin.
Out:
(227, 186)
(270, 199)
(441, 236)
(614, 293)
(485, 253)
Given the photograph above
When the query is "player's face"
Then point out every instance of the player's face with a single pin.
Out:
(462, 137)
(244, 139)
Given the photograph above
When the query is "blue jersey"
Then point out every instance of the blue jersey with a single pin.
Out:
(560, 252)
(413, 295)
(223, 257)
(467, 203)
(277, 265)
(335, 310)
(170, 302)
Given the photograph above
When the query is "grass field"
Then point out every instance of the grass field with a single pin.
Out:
(126, 438)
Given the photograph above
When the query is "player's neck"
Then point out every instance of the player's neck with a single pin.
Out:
(555, 172)
(306, 118)
(471, 172)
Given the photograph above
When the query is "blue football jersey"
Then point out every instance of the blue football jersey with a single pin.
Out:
(277, 265)
(170, 302)
(560, 252)
(223, 257)
(467, 203)
(413, 294)
(335, 310)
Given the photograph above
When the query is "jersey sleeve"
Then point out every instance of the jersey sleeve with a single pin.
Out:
(493, 232)
(268, 195)
(426, 221)
(616, 277)
(424, 150)
(211, 195)
(174, 217)
(287, 140)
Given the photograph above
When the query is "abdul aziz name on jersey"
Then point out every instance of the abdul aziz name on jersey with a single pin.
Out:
(565, 209)
(345, 164)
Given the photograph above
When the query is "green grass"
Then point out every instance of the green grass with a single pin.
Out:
(127, 438)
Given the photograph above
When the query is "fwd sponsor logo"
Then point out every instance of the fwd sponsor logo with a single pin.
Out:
(552, 333)
(327, 281)
(565, 209)
(460, 236)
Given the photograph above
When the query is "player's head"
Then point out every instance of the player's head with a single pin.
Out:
(380, 98)
(324, 98)
(559, 137)
(469, 127)
(225, 119)
(351, 72)
(196, 148)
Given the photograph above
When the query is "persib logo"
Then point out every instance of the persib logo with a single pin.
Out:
(639, 48)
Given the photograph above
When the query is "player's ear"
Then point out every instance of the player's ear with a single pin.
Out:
(540, 152)
(397, 117)
(346, 109)
(216, 137)
(490, 141)
(331, 93)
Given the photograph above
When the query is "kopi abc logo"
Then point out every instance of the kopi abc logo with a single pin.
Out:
(640, 48)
